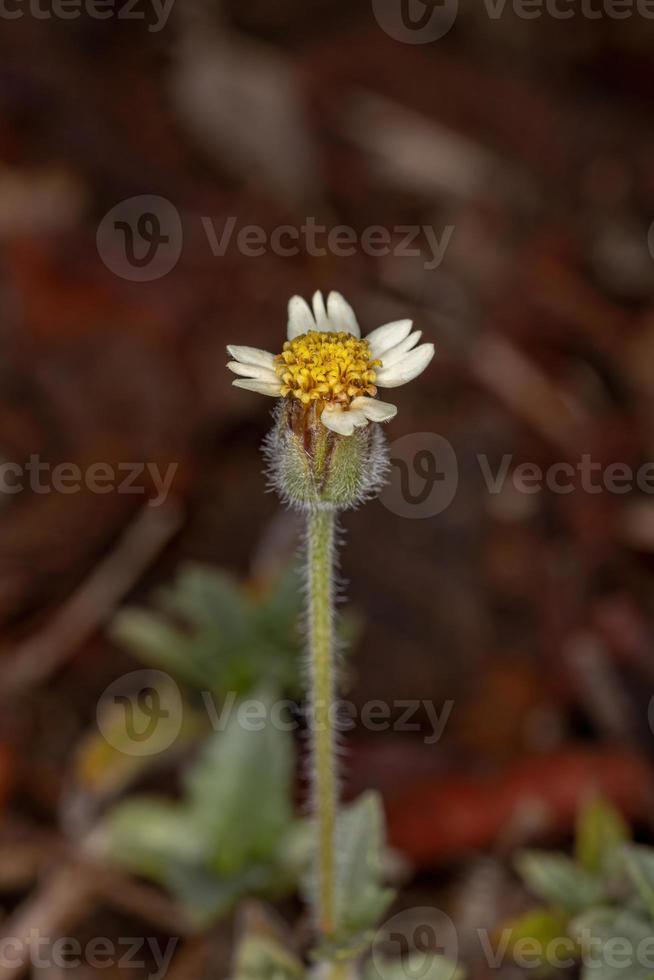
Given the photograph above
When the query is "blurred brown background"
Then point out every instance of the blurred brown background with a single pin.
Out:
(530, 139)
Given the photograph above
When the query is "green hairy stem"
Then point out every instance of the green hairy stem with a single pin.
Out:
(320, 568)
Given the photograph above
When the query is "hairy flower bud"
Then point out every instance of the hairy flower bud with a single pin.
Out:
(313, 468)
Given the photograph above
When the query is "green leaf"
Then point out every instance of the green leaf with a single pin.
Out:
(421, 966)
(147, 835)
(206, 597)
(557, 880)
(235, 833)
(149, 637)
(295, 849)
(211, 633)
(616, 945)
(639, 865)
(540, 928)
(361, 898)
(207, 896)
(265, 959)
(240, 790)
(540, 925)
(601, 832)
(261, 953)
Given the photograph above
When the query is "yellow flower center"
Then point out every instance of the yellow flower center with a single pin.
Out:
(329, 367)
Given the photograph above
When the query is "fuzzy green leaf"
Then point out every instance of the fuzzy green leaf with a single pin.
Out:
(540, 925)
(639, 865)
(265, 959)
(361, 898)
(240, 790)
(601, 832)
(615, 944)
(147, 835)
(211, 634)
(206, 896)
(557, 880)
(207, 597)
(153, 640)
(534, 934)
(423, 966)
(261, 952)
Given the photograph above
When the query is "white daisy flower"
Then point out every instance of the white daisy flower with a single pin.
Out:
(325, 361)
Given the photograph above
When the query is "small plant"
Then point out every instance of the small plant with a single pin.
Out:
(263, 954)
(216, 635)
(217, 638)
(326, 453)
(598, 906)
(233, 834)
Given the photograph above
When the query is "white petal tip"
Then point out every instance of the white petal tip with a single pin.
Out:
(388, 335)
(300, 317)
(319, 311)
(375, 410)
(341, 315)
(343, 421)
(406, 368)
(257, 371)
(260, 387)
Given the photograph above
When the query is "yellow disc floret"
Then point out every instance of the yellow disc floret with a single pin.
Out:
(328, 367)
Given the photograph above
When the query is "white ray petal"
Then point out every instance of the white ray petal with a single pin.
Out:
(343, 421)
(320, 313)
(300, 317)
(253, 371)
(341, 315)
(261, 387)
(373, 409)
(406, 369)
(251, 355)
(395, 353)
(388, 335)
